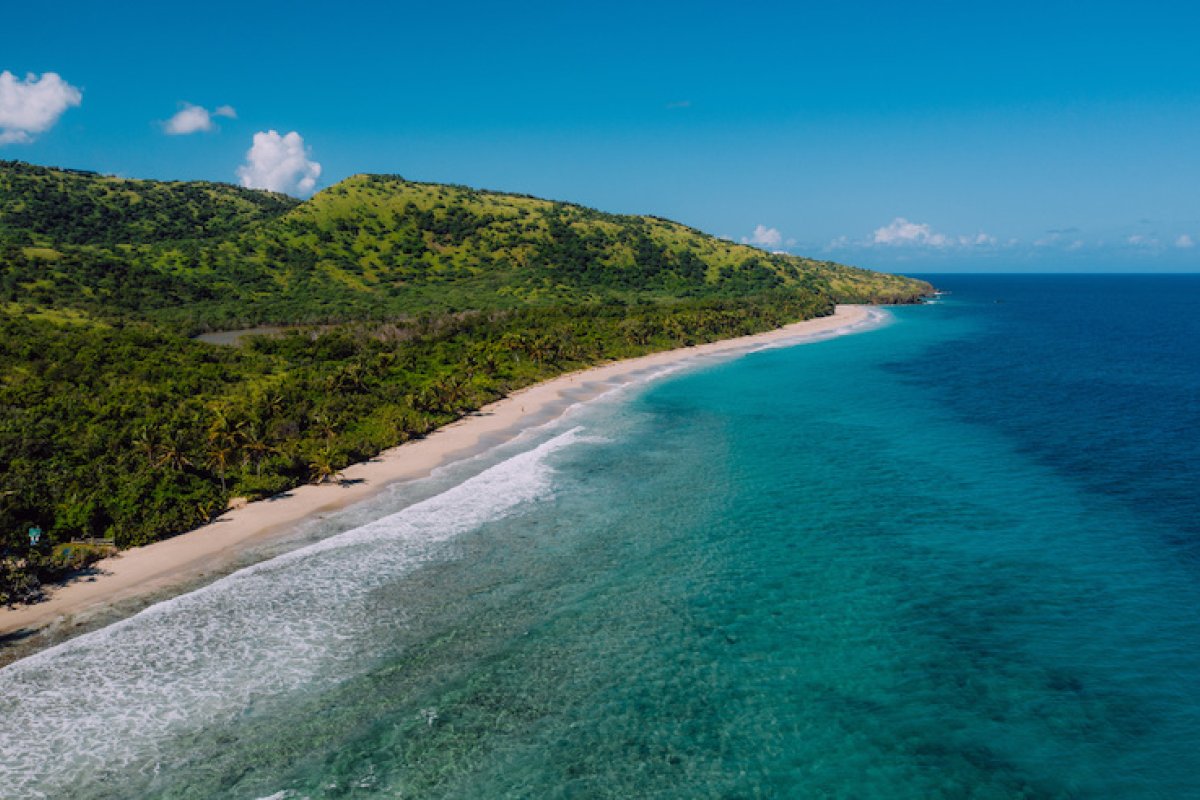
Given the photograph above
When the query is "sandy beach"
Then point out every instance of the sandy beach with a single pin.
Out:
(187, 559)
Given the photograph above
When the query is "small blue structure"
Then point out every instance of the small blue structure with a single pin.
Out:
(35, 534)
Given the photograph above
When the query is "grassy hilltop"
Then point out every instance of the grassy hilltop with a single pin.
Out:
(421, 301)
(207, 256)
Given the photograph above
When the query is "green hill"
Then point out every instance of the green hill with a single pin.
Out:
(200, 256)
(423, 303)
(57, 206)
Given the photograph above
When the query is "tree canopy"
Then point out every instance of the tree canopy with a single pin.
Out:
(406, 306)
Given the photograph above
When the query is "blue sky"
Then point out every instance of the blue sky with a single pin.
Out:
(920, 137)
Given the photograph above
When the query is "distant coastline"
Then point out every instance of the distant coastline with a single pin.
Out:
(181, 562)
(400, 306)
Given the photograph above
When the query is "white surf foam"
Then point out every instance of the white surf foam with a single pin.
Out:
(106, 702)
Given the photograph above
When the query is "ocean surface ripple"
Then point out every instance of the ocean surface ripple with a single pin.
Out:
(954, 556)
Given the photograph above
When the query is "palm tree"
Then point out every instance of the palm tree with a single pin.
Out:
(351, 377)
(325, 427)
(224, 438)
(321, 466)
(543, 349)
(256, 448)
(272, 403)
(146, 443)
(172, 453)
(218, 457)
(449, 393)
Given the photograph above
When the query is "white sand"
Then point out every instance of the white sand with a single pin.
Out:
(184, 559)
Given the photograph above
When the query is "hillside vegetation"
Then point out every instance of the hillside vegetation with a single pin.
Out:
(198, 256)
(413, 304)
(58, 206)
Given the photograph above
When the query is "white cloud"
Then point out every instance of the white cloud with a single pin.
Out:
(32, 106)
(189, 119)
(1184, 241)
(280, 164)
(1140, 240)
(764, 237)
(902, 232)
(193, 119)
(978, 240)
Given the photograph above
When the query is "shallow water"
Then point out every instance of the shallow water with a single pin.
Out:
(952, 557)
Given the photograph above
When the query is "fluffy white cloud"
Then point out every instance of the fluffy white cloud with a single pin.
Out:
(32, 106)
(279, 163)
(193, 119)
(764, 237)
(189, 119)
(902, 232)
(1184, 241)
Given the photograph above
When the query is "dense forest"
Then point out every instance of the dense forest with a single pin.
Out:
(407, 305)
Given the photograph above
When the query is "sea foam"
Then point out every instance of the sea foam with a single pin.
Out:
(106, 702)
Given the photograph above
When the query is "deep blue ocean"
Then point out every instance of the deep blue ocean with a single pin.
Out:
(957, 555)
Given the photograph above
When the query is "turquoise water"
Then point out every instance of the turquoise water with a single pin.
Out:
(915, 562)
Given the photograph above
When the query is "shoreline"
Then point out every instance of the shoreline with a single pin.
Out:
(151, 572)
